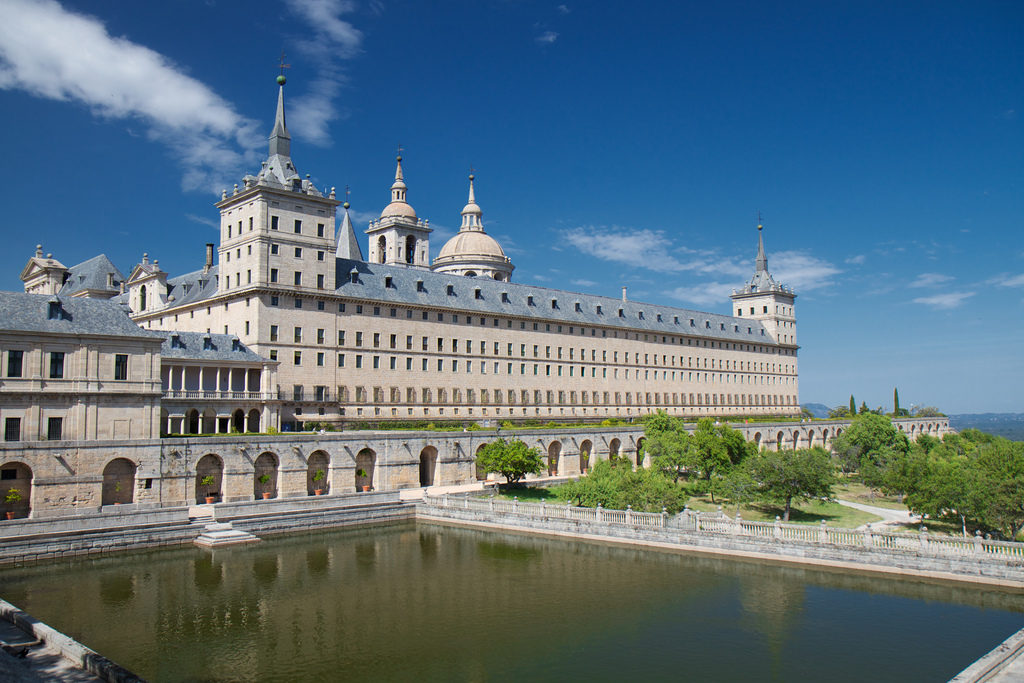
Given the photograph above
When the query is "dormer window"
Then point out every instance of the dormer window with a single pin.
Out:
(419, 286)
(529, 301)
(207, 344)
(659, 317)
(722, 326)
(692, 323)
(707, 324)
(675, 319)
(53, 310)
(578, 307)
(554, 303)
(387, 282)
(236, 345)
(622, 314)
(477, 294)
(599, 312)
(640, 315)
(353, 276)
(504, 297)
(450, 290)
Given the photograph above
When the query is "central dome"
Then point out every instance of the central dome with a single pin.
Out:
(401, 209)
(470, 244)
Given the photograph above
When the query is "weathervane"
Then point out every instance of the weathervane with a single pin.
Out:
(282, 65)
(399, 149)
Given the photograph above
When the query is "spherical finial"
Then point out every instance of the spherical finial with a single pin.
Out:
(760, 227)
(471, 176)
(346, 205)
(281, 80)
(398, 158)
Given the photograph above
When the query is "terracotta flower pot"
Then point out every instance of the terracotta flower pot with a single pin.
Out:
(365, 489)
(210, 499)
(266, 495)
(318, 492)
(10, 515)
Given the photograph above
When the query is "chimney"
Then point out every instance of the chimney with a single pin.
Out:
(209, 257)
(623, 292)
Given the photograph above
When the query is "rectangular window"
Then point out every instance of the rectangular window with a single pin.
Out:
(273, 354)
(341, 360)
(273, 274)
(298, 278)
(297, 335)
(273, 333)
(359, 361)
(12, 429)
(320, 359)
(298, 358)
(298, 227)
(56, 365)
(319, 229)
(121, 366)
(273, 222)
(275, 300)
(320, 336)
(54, 428)
(319, 281)
(359, 338)
(14, 360)
(298, 252)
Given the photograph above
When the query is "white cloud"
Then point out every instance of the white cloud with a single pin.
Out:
(203, 220)
(857, 260)
(801, 271)
(639, 248)
(547, 37)
(946, 300)
(584, 283)
(704, 294)
(563, 9)
(930, 280)
(56, 54)
(1015, 281)
(332, 40)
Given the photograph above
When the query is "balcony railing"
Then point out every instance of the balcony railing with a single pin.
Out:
(219, 395)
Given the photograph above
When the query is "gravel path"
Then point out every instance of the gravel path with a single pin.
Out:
(890, 518)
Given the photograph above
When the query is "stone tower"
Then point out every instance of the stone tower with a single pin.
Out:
(398, 236)
(277, 230)
(472, 252)
(765, 300)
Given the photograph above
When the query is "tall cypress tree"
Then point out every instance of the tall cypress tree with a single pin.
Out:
(853, 406)
(895, 402)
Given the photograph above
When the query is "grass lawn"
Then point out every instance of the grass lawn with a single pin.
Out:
(856, 492)
(834, 514)
(529, 494)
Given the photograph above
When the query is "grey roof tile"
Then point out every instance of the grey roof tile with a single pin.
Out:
(31, 313)
(92, 275)
(193, 345)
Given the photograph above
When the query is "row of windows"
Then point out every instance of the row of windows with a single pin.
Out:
(425, 395)
(275, 224)
(453, 318)
(16, 364)
(54, 429)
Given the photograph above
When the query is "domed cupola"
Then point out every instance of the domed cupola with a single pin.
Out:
(398, 236)
(472, 252)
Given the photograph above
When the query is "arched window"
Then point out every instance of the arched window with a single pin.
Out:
(142, 298)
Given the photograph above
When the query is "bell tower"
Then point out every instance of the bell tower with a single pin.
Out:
(398, 236)
(766, 301)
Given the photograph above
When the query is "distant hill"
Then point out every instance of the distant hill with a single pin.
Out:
(1008, 425)
(817, 409)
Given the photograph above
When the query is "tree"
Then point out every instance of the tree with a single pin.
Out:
(864, 408)
(839, 413)
(715, 449)
(511, 459)
(1000, 486)
(895, 401)
(667, 442)
(782, 476)
(928, 411)
(853, 406)
(615, 484)
(868, 446)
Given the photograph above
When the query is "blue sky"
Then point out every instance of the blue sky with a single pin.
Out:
(614, 144)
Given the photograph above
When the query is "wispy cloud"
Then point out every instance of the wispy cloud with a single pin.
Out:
(584, 283)
(802, 271)
(857, 260)
(203, 220)
(945, 300)
(563, 9)
(930, 280)
(704, 294)
(1011, 281)
(332, 40)
(546, 38)
(641, 248)
(60, 55)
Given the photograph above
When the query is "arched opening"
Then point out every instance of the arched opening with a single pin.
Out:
(640, 452)
(757, 439)
(118, 482)
(265, 476)
(554, 450)
(16, 477)
(382, 249)
(586, 448)
(410, 248)
(192, 422)
(142, 298)
(165, 422)
(499, 277)
(810, 438)
(209, 421)
(366, 461)
(238, 421)
(317, 468)
(428, 464)
(470, 273)
(613, 449)
(481, 473)
(209, 477)
(796, 439)
(779, 440)
(254, 421)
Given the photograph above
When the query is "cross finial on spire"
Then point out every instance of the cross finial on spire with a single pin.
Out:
(347, 193)
(399, 151)
(282, 65)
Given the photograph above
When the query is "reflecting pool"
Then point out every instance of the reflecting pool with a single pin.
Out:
(423, 602)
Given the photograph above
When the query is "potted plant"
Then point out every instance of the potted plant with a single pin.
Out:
(263, 479)
(362, 473)
(12, 498)
(318, 488)
(207, 483)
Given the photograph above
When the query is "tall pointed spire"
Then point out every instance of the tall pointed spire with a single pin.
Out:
(471, 213)
(761, 266)
(348, 245)
(280, 140)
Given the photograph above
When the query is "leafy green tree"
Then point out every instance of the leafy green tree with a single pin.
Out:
(864, 408)
(853, 406)
(896, 401)
(715, 449)
(928, 411)
(511, 459)
(615, 484)
(839, 413)
(868, 446)
(782, 476)
(667, 442)
(1000, 486)
(737, 486)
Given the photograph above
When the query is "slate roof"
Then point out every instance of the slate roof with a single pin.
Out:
(20, 312)
(636, 316)
(192, 287)
(192, 346)
(92, 275)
